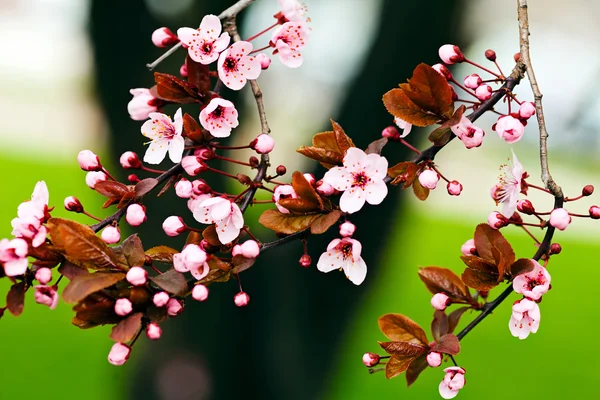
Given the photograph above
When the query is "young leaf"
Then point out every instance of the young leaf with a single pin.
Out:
(161, 254)
(403, 348)
(172, 282)
(400, 328)
(286, 223)
(404, 172)
(430, 90)
(421, 192)
(343, 141)
(84, 285)
(96, 309)
(415, 368)
(198, 75)
(439, 324)
(327, 158)
(171, 88)
(521, 266)
(399, 105)
(215, 275)
(485, 238)
(306, 191)
(144, 186)
(324, 222)
(447, 344)
(192, 128)
(397, 365)
(15, 299)
(241, 263)
(454, 318)
(442, 280)
(210, 234)
(71, 271)
(443, 134)
(111, 189)
(127, 328)
(479, 280)
(376, 147)
(131, 252)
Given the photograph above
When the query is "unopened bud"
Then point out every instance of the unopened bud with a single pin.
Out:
(391, 132)
(555, 248)
(454, 188)
(183, 71)
(525, 207)
(153, 331)
(244, 179)
(133, 178)
(490, 55)
(163, 37)
(281, 170)
(587, 190)
(370, 359)
(200, 293)
(305, 261)
(253, 161)
(434, 359)
(440, 301)
(73, 204)
(264, 60)
(130, 160)
(517, 57)
(595, 212)
(241, 299)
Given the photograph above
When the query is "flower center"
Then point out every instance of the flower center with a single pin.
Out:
(207, 47)
(230, 64)
(360, 179)
(537, 281)
(470, 132)
(218, 112)
(346, 250)
(163, 130)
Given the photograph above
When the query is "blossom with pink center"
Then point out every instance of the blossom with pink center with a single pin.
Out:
(526, 110)
(200, 293)
(43, 275)
(226, 216)
(205, 43)
(123, 307)
(163, 37)
(292, 10)
(439, 301)
(468, 248)
(153, 331)
(136, 214)
(13, 256)
(142, 104)
(454, 188)
(370, 359)
(219, 117)
(525, 318)
(434, 359)
(533, 284)
(454, 380)
(236, 66)
(89, 161)
(165, 135)
(130, 160)
(451, 54)
(93, 177)
(361, 179)
(30, 228)
(241, 299)
(472, 81)
(483, 92)
(192, 259)
(288, 40)
(137, 276)
(405, 126)
(509, 187)
(283, 192)
(429, 179)
(344, 254)
(46, 295)
(560, 219)
(111, 235)
(509, 128)
(119, 353)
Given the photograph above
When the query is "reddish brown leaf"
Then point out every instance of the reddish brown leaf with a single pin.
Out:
(210, 234)
(442, 280)
(454, 318)
(215, 275)
(439, 324)
(172, 282)
(111, 189)
(443, 134)
(447, 344)
(127, 328)
(171, 88)
(485, 238)
(241, 263)
(479, 280)
(376, 147)
(15, 299)
(481, 265)
(286, 223)
(400, 328)
(71, 271)
(192, 129)
(397, 365)
(415, 368)
(343, 141)
(216, 263)
(96, 309)
(131, 252)
(324, 222)
(144, 186)
(157, 314)
(84, 285)
(198, 75)
(44, 252)
(399, 105)
(403, 348)
(404, 172)
(161, 254)
(521, 266)
(305, 190)
(421, 192)
(327, 158)
(299, 206)
(430, 90)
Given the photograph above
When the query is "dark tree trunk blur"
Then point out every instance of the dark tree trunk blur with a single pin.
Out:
(284, 343)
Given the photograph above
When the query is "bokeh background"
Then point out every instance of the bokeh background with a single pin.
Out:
(66, 69)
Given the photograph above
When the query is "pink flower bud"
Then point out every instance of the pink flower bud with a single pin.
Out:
(264, 60)
(142, 104)
(560, 219)
(43, 275)
(88, 161)
(136, 214)
(174, 307)
(237, 250)
(204, 153)
(281, 170)
(173, 226)
(434, 359)
(160, 299)
(347, 229)
(439, 301)
(305, 261)
(310, 178)
(370, 359)
(490, 55)
(241, 299)
(191, 258)
(391, 132)
(73, 204)
(324, 188)
(525, 207)
(442, 70)
(193, 165)
(451, 54)
(130, 160)
(123, 307)
(527, 110)
(468, 248)
(509, 128)
(119, 354)
(283, 192)
(473, 81)
(200, 293)
(555, 248)
(163, 37)
(137, 276)
(93, 177)
(250, 249)
(428, 178)
(595, 212)
(133, 178)
(111, 235)
(199, 186)
(473, 137)
(587, 190)
(452, 383)
(184, 189)
(46, 295)
(497, 220)
(454, 188)
(153, 331)
(183, 71)
(483, 92)
(263, 144)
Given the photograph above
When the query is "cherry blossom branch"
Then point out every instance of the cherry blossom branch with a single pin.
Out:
(228, 14)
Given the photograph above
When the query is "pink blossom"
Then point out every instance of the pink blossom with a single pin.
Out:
(73, 204)
(173, 226)
(46, 295)
(200, 293)
(324, 188)
(30, 228)
(405, 126)
(130, 160)
(442, 70)
(153, 331)
(32, 214)
(263, 144)
(473, 137)
(111, 235)
(43, 275)
(136, 214)
(468, 248)
(434, 359)
(454, 188)
(483, 92)
(526, 110)
(165, 135)
(292, 10)
(560, 219)
(288, 39)
(370, 359)
(347, 229)
(462, 128)
(137, 276)
(192, 259)
(163, 37)
(264, 60)
(509, 187)
(13, 255)
(193, 165)
(241, 299)
(160, 299)
(525, 318)
(174, 307)
(219, 117)
(123, 307)
(236, 66)
(509, 128)
(226, 216)
(283, 192)
(93, 177)
(361, 179)
(88, 161)
(454, 380)
(237, 250)
(142, 104)
(439, 301)
(250, 249)
(533, 284)
(594, 212)
(345, 254)
(184, 189)
(472, 81)
(497, 220)
(119, 353)
(194, 201)
(429, 179)
(451, 54)
(204, 44)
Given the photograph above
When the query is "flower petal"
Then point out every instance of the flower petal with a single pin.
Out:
(375, 192)
(352, 200)
(176, 147)
(156, 152)
(356, 271)
(330, 260)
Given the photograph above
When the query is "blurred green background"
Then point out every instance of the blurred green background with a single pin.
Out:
(304, 332)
